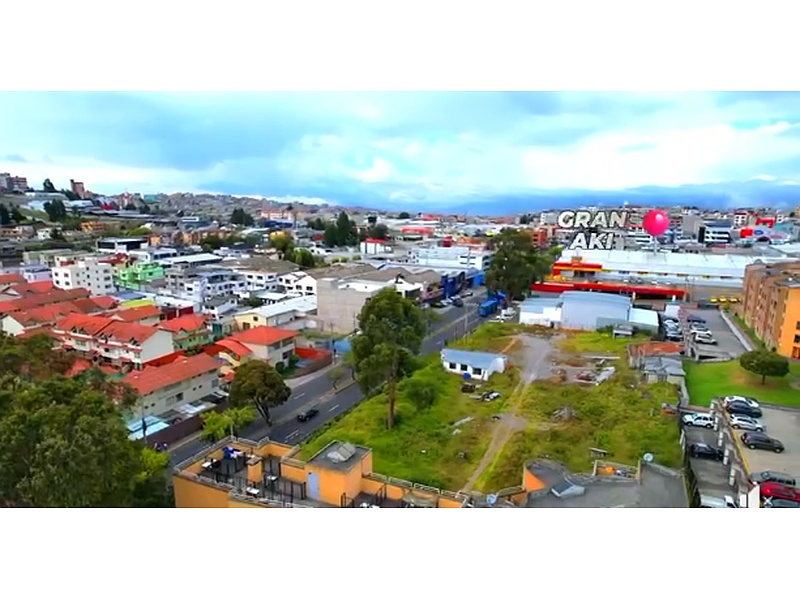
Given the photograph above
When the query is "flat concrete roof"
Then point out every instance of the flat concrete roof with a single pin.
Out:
(323, 460)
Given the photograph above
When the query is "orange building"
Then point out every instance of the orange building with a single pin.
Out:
(771, 305)
(237, 473)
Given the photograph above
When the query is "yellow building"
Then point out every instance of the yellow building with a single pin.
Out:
(236, 473)
(771, 305)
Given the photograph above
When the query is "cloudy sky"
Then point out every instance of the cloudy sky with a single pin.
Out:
(412, 149)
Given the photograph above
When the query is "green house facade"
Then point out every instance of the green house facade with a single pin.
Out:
(135, 276)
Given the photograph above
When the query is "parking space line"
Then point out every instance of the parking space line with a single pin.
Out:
(739, 446)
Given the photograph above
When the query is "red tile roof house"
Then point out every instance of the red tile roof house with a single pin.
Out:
(188, 331)
(144, 315)
(24, 321)
(26, 302)
(108, 341)
(272, 344)
(170, 386)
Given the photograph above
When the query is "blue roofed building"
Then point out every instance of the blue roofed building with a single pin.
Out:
(473, 365)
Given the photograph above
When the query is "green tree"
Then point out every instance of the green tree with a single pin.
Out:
(392, 329)
(283, 244)
(240, 217)
(316, 224)
(62, 445)
(303, 257)
(516, 263)
(336, 374)
(331, 235)
(16, 215)
(404, 215)
(216, 425)
(377, 232)
(48, 186)
(55, 209)
(5, 216)
(257, 383)
(765, 364)
(422, 392)
(346, 230)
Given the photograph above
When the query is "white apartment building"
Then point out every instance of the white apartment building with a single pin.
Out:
(148, 255)
(88, 273)
(36, 273)
(259, 281)
(120, 245)
(298, 282)
(741, 218)
(454, 257)
(548, 218)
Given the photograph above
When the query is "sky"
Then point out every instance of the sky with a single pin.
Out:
(412, 150)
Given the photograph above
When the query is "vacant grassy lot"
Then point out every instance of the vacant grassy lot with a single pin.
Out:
(621, 416)
(706, 380)
(490, 337)
(422, 446)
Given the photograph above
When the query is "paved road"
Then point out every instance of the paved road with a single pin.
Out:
(318, 392)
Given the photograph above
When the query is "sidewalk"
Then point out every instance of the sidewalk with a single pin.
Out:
(298, 381)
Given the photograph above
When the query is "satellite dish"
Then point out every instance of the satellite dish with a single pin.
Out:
(648, 458)
(491, 499)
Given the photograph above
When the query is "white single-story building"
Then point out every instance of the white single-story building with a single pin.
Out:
(586, 311)
(477, 365)
(545, 312)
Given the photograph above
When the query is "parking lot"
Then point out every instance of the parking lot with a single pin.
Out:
(712, 476)
(784, 425)
(727, 343)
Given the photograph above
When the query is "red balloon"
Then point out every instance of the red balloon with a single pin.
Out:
(656, 222)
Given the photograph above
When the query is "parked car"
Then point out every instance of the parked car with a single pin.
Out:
(772, 476)
(307, 415)
(698, 327)
(704, 338)
(489, 396)
(458, 302)
(695, 319)
(746, 423)
(761, 441)
(749, 400)
(698, 420)
(447, 302)
(466, 293)
(779, 503)
(782, 492)
(742, 408)
(705, 451)
(673, 337)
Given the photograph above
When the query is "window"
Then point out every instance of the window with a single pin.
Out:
(463, 367)
(797, 339)
(477, 371)
(452, 365)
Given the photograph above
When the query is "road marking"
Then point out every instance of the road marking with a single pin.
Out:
(333, 408)
(295, 433)
(299, 396)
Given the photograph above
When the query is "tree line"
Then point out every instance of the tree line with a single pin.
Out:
(63, 441)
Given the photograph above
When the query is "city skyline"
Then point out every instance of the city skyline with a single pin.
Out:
(413, 150)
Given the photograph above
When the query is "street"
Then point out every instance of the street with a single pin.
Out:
(319, 393)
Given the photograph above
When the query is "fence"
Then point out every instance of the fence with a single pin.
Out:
(181, 429)
(318, 359)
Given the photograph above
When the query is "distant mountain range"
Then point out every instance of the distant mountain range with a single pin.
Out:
(761, 192)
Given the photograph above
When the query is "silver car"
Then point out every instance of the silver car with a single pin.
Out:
(746, 423)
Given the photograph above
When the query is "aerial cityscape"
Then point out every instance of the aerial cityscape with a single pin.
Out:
(444, 300)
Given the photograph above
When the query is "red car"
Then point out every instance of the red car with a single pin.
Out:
(777, 490)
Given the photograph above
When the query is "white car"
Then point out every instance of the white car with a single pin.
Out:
(698, 420)
(751, 402)
(746, 423)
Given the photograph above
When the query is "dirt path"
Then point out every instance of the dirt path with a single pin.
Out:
(534, 365)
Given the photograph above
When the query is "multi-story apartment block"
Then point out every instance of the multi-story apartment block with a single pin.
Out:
(455, 257)
(78, 188)
(121, 245)
(771, 305)
(298, 282)
(92, 274)
(112, 341)
(203, 282)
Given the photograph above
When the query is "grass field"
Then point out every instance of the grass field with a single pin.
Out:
(707, 380)
(621, 416)
(422, 446)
